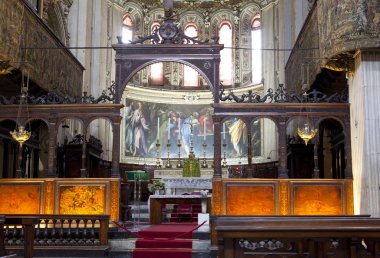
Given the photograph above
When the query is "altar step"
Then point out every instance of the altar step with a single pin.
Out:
(140, 212)
(123, 248)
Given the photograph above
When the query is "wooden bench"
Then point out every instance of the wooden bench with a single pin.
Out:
(297, 236)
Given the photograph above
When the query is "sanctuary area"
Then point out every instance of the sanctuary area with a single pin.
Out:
(189, 128)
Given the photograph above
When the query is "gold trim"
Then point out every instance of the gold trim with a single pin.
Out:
(284, 197)
(217, 199)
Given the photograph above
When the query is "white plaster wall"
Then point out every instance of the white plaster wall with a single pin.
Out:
(267, 18)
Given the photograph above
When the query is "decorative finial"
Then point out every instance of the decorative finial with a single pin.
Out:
(168, 7)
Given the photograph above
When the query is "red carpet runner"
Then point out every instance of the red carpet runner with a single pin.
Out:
(158, 241)
(164, 241)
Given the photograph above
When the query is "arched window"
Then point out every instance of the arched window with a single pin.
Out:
(127, 28)
(157, 69)
(190, 76)
(256, 50)
(225, 37)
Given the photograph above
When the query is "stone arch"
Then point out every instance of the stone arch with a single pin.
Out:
(136, 11)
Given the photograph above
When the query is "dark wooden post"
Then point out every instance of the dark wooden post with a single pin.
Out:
(83, 170)
(217, 147)
(29, 224)
(19, 171)
(249, 150)
(315, 151)
(52, 149)
(282, 157)
(347, 148)
(2, 247)
(115, 171)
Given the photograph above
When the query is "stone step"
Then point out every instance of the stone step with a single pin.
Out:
(118, 245)
(140, 215)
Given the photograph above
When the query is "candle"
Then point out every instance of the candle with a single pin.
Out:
(204, 128)
(158, 127)
(168, 4)
(169, 128)
(179, 128)
(224, 131)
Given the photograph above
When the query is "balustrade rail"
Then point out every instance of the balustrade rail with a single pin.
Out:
(30, 231)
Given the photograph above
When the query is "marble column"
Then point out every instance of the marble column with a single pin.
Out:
(364, 92)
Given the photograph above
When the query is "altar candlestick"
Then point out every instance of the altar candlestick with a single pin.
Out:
(204, 128)
(158, 127)
(224, 131)
(168, 128)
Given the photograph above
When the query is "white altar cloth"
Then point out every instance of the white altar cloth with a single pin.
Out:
(188, 183)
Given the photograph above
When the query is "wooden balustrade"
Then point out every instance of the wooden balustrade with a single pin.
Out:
(296, 236)
(29, 231)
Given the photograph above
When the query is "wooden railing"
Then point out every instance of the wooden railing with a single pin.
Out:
(29, 231)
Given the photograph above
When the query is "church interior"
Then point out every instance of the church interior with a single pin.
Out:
(189, 128)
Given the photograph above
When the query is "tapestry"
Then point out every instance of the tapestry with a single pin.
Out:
(347, 25)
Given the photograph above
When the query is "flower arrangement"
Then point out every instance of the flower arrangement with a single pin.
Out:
(156, 185)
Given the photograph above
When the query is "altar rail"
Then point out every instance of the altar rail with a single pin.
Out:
(297, 236)
(28, 232)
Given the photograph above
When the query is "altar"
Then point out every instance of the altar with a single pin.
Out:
(159, 206)
(186, 185)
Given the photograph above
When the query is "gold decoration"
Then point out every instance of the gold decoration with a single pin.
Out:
(21, 135)
(306, 133)
(82, 199)
(284, 197)
(5, 67)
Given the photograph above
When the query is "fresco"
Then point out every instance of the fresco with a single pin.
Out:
(348, 24)
(82, 199)
(145, 122)
(20, 199)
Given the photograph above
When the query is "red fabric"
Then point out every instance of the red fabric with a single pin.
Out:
(168, 231)
(162, 253)
(164, 243)
(155, 247)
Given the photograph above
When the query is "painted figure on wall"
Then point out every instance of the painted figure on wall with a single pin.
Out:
(146, 122)
(140, 127)
(238, 136)
(190, 129)
(128, 113)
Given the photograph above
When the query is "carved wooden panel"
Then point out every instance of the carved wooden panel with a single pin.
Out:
(251, 199)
